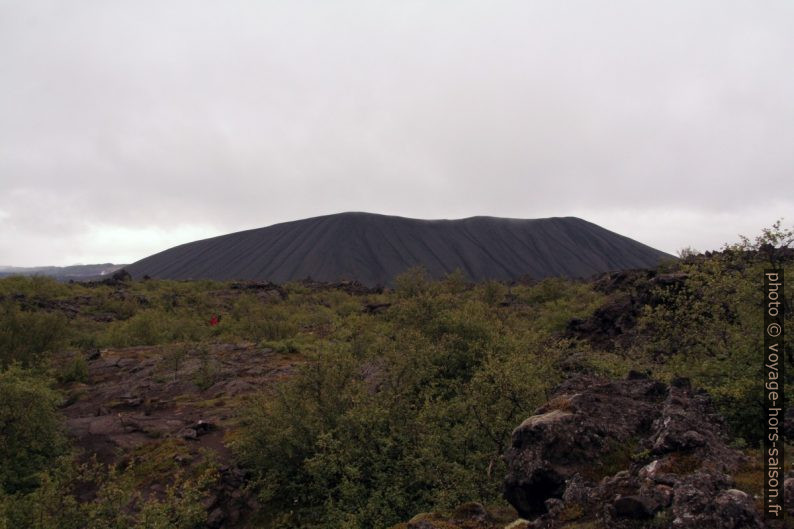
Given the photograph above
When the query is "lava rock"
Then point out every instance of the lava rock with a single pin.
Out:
(625, 451)
(636, 507)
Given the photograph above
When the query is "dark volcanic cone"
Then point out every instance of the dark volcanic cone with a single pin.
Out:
(373, 249)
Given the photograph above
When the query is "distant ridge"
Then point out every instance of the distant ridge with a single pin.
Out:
(64, 273)
(373, 249)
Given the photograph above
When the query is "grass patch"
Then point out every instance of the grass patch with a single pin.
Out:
(152, 462)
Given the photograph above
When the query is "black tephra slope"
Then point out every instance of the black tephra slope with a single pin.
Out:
(373, 249)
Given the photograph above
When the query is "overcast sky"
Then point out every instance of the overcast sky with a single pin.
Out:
(129, 127)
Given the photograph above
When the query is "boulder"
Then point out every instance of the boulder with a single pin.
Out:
(637, 507)
(625, 451)
(588, 420)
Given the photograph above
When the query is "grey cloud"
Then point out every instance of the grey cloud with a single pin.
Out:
(151, 115)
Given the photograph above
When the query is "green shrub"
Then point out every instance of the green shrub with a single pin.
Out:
(31, 435)
(117, 503)
(493, 292)
(406, 414)
(154, 327)
(123, 308)
(412, 283)
(710, 328)
(76, 370)
(207, 373)
(174, 359)
(36, 286)
(145, 328)
(26, 337)
(256, 321)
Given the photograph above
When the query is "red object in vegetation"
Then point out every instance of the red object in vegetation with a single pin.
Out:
(214, 320)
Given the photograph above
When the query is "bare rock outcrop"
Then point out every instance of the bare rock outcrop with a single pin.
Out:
(619, 452)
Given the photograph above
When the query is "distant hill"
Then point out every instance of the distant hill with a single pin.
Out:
(76, 272)
(373, 249)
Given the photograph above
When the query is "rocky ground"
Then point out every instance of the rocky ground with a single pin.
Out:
(167, 408)
(600, 454)
(624, 454)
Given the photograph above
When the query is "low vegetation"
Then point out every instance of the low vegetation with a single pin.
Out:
(403, 400)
